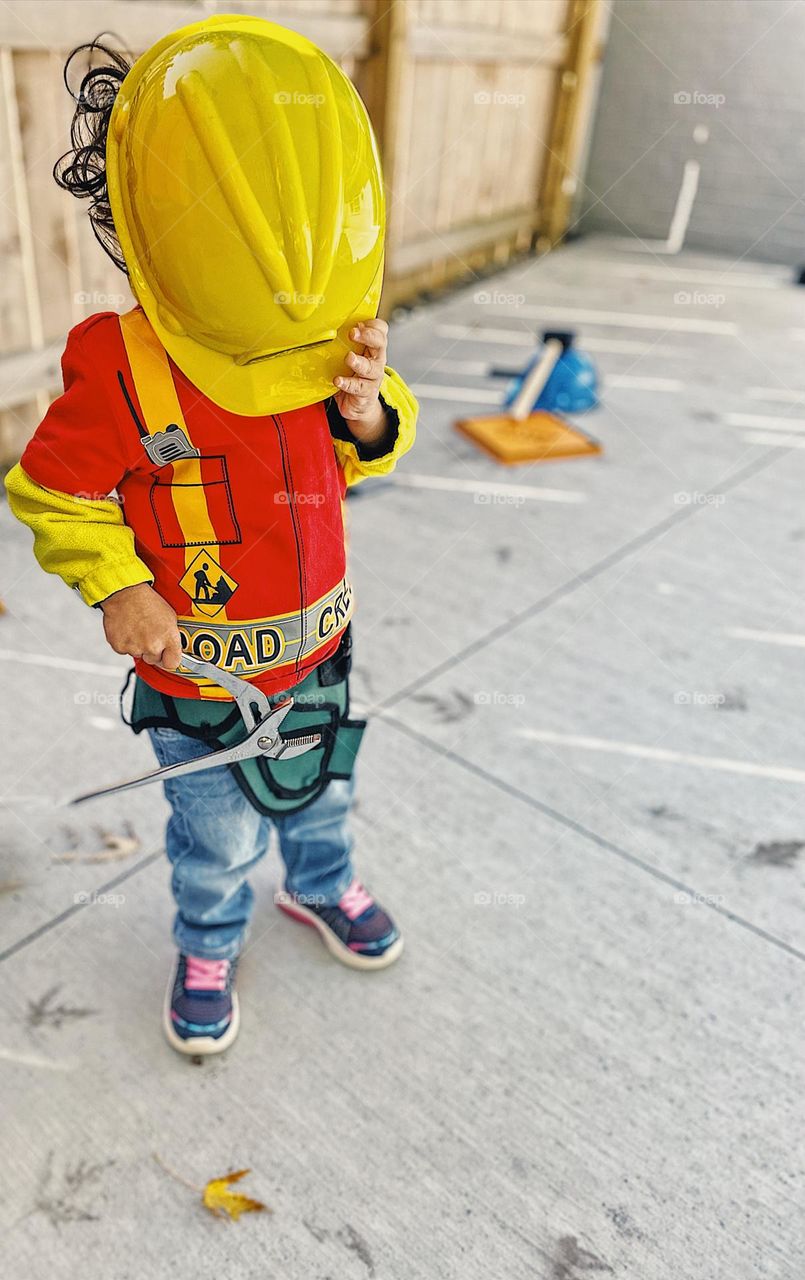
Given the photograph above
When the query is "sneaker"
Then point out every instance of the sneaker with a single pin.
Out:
(357, 930)
(201, 1009)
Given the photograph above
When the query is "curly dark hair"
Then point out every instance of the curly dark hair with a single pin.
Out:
(82, 169)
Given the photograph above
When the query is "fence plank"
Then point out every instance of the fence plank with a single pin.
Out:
(57, 25)
(482, 109)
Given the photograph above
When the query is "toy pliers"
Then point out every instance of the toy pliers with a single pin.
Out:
(263, 736)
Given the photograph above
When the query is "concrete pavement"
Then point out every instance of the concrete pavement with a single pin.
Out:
(581, 793)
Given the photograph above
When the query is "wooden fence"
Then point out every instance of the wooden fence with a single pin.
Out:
(482, 108)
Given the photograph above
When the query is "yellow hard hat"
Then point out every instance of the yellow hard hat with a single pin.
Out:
(245, 187)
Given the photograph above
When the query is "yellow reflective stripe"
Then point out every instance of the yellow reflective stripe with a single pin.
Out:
(190, 505)
(151, 372)
(159, 402)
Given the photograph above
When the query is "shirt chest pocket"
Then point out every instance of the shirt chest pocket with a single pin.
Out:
(192, 503)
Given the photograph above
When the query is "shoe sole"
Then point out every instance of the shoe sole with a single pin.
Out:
(201, 1046)
(353, 959)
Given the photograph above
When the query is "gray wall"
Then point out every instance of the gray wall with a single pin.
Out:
(751, 53)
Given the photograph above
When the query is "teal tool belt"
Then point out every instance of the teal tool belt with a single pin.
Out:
(321, 703)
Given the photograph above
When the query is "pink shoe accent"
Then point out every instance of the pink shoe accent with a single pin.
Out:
(206, 975)
(355, 900)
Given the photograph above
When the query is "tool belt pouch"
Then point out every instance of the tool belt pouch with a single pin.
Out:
(274, 787)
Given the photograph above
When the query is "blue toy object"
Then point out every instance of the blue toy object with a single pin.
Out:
(571, 388)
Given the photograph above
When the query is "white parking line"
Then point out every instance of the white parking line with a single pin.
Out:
(507, 337)
(483, 369)
(670, 274)
(507, 492)
(465, 395)
(37, 1060)
(775, 393)
(103, 722)
(62, 664)
(494, 395)
(628, 347)
(631, 382)
(788, 639)
(721, 764)
(775, 437)
(623, 319)
(763, 420)
(478, 368)
(522, 338)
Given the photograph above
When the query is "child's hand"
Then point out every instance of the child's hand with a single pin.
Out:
(357, 397)
(137, 621)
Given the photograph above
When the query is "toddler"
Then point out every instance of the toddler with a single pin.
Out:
(189, 482)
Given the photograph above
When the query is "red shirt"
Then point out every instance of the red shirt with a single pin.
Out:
(245, 540)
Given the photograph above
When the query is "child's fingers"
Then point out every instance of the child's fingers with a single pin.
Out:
(365, 367)
(373, 335)
(357, 387)
(375, 323)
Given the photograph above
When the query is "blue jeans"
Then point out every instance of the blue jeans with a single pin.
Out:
(215, 837)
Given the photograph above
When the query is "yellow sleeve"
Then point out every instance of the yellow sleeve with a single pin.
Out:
(399, 399)
(84, 541)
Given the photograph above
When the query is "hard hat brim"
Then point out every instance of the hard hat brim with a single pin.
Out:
(273, 383)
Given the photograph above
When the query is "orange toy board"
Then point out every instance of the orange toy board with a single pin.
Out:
(541, 437)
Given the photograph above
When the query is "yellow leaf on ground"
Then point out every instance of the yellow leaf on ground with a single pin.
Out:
(221, 1201)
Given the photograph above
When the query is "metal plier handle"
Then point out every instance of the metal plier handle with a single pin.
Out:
(263, 737)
